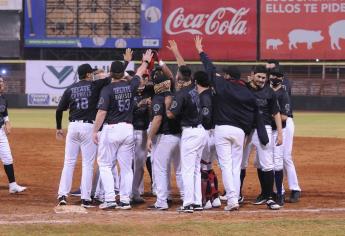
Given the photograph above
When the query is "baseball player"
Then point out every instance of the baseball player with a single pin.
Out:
(289, 167)
(276, 79)
(186, 105)
(116, 141)
(141, 120)
(81, 100)
(268, 105)
(234, 115)
(5, 151)
(164, 143)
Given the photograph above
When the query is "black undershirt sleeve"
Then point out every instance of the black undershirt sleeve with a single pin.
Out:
(58, 117)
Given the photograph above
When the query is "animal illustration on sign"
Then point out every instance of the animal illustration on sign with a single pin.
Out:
(304, 36)
(274, 43)
(336, 32)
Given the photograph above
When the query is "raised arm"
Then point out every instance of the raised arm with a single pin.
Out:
(147, 56)
(174, 49)
(208, 65)
(167, 72)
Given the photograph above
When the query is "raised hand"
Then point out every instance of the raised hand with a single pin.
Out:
(147, 56)
(198, 43)
(128, 55)
(172, 46)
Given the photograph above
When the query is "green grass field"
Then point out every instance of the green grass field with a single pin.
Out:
(189, 227)
(308, 124)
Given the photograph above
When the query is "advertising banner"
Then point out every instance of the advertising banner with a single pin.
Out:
(47, 80)
(11, 5)
(305, 30)
(228, 28)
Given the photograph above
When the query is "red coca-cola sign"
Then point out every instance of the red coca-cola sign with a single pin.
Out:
(228, 28)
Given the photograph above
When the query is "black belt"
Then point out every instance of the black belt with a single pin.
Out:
(83, 121)
(114, 123)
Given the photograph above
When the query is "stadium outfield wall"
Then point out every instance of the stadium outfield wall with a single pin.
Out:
(315, 86)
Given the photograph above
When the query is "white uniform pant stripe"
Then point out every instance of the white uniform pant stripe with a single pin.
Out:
(5, 151)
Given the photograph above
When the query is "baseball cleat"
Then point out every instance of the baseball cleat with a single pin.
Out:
(124, 206)
(15, 188)
(232, 207)
(272, 205)
(186, 209)
(208, 205)
(216, 203)
(241, 200)
(62, 201)
(260, 199)
(108, 205)
(280, 199)
(223, 197)
(295, 196)
(156, 208)
(86, 203)
(197, 208)
(76, 193)
(137, 200)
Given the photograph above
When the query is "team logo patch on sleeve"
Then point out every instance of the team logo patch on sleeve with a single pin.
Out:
(173, 105)
(287, 108)
(156, 107)
(205, 111)
(101, 101)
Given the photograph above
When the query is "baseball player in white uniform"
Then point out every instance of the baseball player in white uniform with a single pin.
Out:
(116, 141)
(5, 151)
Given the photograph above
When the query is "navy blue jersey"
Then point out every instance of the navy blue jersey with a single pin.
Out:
(168, 126)
(284, 106)
(186, 104)
(266, 99)
(286, 85)
(81, 99)
(141, 113)
(206, 101)
(117, 99)
(3, 110)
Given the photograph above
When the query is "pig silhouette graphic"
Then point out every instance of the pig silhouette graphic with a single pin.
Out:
(304, 36)
(336, 32)
(273, 43)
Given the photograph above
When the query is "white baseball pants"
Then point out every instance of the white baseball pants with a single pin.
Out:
(229, 146)
(140, 139)
(116, 144)
(193, 141)
(5, 151)
(79, 137)
(209, 153)
(289, 166)
(166, 150)
(277, 151)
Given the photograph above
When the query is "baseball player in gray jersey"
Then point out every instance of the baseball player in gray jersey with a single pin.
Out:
(116, 141)
(5, 151)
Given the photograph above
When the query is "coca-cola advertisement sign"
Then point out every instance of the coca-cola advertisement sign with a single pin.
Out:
(228, 28)
(311, 30)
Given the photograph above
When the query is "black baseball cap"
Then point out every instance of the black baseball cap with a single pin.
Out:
(84, 69)
(117, 67)
(233, 71)
(277, 72)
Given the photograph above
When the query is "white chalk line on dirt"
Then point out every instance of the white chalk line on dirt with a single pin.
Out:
(169, 213)
(19, 222)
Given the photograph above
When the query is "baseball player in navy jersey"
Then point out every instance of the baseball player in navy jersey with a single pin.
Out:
(5, 151)
(81, 100)
(289, 167)
(141, 120)
(186, 105)
(164, 143)
(234, 115)
(116, 141)
(268, 105)
(276, 79)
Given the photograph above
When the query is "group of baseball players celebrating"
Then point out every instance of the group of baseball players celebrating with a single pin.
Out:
(187, 121)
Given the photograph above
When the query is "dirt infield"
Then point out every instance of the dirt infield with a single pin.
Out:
(39, 159)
